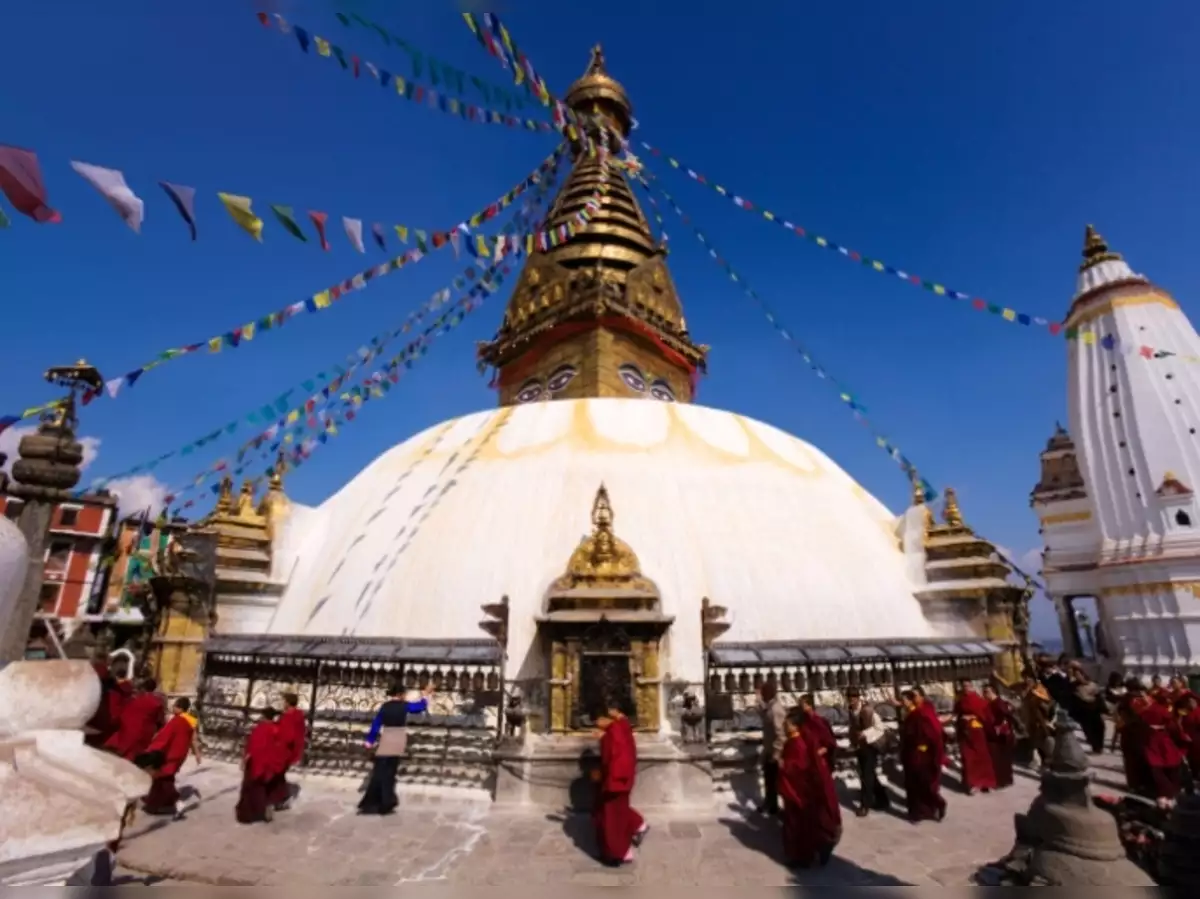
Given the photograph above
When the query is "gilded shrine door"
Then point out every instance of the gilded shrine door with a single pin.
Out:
(605, 674)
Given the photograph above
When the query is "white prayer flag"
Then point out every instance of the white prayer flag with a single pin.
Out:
(111, 185)
(354, 232)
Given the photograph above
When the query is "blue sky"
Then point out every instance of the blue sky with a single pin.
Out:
(967, 143)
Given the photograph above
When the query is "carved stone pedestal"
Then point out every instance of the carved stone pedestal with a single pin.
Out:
(554, 772)
(61, 802)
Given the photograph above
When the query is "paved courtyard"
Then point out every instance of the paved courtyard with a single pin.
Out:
(321, 841)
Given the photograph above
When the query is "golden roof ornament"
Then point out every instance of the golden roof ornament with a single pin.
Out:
(278, 470)
(602, 560)
(950, 513)
(918, 498)
(1095, 249)
(225, 497)
(246, 499)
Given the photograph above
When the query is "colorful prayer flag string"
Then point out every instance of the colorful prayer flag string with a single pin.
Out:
(309, 408)
(844, 394)
(324, 299)
(452, 76)
(409, 90)
(1003, 312)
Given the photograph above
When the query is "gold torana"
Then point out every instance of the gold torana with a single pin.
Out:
(597, 315)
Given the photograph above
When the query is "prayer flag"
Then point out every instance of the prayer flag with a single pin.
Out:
(377, 232)
(111, 185)
(21, 182)
(302, 38)
(354, 232)
(184, 200)
(318, 220)
(287, 218)
(402, 233)
(239, 210)
(4, 223)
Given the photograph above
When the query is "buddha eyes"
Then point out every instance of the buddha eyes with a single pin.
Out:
(633, 378)
(529, 391)
(561, 378)
(661, 390)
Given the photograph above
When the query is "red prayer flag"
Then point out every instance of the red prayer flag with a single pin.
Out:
(21, 183)
(318, 219)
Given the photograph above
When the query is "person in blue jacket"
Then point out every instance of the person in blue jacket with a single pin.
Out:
(389, 739)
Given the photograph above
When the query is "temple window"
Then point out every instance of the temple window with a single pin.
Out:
(633, 377)
(1183, 519)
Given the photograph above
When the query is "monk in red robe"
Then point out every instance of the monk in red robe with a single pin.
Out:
(140, 720)
(165, 756)
(817, 731)
(1187, 707)
(922, 754)
(619, 828)
(1003, 741)
(812, 817)
(115, 692)
(1162, 754)
(973, 729)
(1132, 734)
(293, 729)
(264, 762)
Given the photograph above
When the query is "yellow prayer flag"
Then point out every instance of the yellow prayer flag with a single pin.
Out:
(821, 242)
(322, 299)
(674, 162)
(294, 415)
(878, 266)
(214, 344)
(402, 233)
(239, 210)
(287, 438)
(939, 290)
(769, 216)
(1009, 315)
(481, 246)
(248, 331)
(572, 133)
(401, 88)
(719, 189)
(470, 20)
(528, 243)
(1088, 336)
(331, 430)
(322, 45)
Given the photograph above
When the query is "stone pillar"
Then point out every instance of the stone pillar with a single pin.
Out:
(48, 467)
(1066, 626)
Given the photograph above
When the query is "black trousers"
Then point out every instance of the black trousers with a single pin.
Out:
(874, 793)
(380, 795)
(770, 772)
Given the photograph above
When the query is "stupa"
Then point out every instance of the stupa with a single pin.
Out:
(598, 534)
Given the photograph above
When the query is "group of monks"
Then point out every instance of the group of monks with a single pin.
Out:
(1158, 732)
(274, 746)
(131, 722)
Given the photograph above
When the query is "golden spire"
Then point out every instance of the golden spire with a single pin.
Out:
(225, 497)
(278, 470)
(950, 513)
(1095, 250)
(918, 498)
(246, 498)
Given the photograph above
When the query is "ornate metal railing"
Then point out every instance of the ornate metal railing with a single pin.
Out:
(341, 682)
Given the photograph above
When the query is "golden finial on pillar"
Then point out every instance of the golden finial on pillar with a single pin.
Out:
(278, 470)
(950, 512)
(225, 497)
(246, 498)
(596, 66)
(918, 498)
(1095, 249)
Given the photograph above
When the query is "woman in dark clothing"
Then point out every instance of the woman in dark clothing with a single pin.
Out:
(1086, 706)
(389, 739)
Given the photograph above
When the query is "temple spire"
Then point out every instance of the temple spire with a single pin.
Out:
(1095, 249)
(951, 513)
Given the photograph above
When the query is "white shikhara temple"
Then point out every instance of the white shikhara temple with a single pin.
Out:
(599, 534)
(1117, 498)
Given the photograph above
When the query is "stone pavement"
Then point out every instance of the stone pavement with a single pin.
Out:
(456, 839)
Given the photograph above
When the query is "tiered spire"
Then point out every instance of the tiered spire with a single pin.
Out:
(1095, 249)
(596, 313)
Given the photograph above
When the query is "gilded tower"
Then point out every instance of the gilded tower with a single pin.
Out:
(595, 315)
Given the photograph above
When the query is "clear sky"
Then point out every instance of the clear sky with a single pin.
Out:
(968, 143)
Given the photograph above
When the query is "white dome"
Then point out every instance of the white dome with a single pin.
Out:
(492, 504)
(14, 562)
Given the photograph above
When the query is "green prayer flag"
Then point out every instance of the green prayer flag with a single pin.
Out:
(343, 18)
(287, 218)
(4, 223)
(341, 57)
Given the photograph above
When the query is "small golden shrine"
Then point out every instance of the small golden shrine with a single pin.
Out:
(596, 314)
(601, 631)
(243, 530)
(966, 577)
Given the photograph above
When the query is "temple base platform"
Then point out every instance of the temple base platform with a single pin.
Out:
(555, 772)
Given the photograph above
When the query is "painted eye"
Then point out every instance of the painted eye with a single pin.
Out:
(529, 392)
(633, 378)
(561, 378)
(661, 390)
